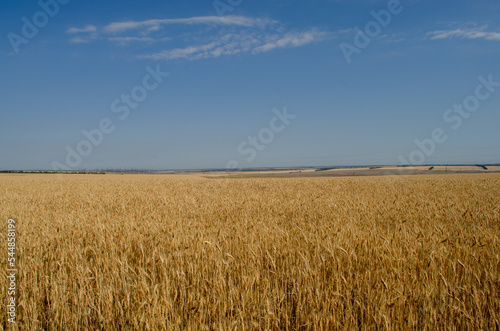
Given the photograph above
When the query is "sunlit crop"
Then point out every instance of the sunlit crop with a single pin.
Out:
(157, 252)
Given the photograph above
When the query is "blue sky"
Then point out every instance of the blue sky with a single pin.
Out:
(232, 67)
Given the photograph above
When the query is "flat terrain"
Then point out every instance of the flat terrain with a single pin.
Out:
(181, 252)
(358, 171)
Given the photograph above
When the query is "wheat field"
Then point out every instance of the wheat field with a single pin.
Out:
(183, 252)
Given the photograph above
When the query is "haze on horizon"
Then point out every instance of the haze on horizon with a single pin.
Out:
(193, 85)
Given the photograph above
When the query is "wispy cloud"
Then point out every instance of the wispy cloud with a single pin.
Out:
(123, 41)
(86, 29)
(289, 40)
(232, 44)
(466, 32)
(234, 35)
(154, 25)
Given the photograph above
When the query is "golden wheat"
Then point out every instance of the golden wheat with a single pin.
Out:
(153, 252)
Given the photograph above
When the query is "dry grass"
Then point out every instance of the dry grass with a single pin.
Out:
(183, 252)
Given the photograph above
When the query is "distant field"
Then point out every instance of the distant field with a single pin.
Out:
(359, 171)
(183, 252)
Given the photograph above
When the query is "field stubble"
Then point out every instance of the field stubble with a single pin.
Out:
(185, 252)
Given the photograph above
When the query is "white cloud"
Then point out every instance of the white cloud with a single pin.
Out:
(231, 44)
(127, 40)
(477, 32)
(86, 29)
(153, 25)
(235, 35)
(289, 40)
(191, 52)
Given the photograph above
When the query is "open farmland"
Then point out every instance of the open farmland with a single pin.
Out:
(186, 252)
